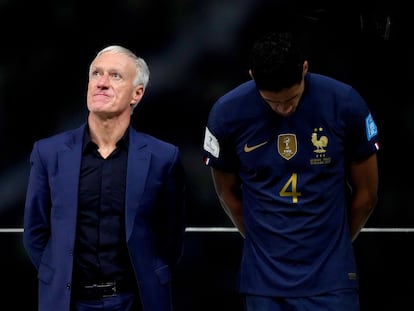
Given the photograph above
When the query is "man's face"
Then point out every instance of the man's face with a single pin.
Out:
(285, 101)
(111, 90)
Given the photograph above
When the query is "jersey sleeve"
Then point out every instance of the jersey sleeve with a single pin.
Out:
(362, 134)
(217, 151)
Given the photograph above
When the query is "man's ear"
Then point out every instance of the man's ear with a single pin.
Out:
(251, 74)
(305, 67)
(139, 92)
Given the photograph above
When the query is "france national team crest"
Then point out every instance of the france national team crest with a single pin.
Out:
(371, 127)
(320, 143)
(287, 145)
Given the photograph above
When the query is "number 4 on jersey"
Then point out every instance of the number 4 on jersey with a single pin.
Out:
(291, 183)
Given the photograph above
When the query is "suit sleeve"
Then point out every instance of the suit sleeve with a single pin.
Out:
(176, 215)
(36, 222)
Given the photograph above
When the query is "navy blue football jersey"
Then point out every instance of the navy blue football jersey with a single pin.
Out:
(297, 239)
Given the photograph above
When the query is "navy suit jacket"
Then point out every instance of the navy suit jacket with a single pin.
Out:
(154, 216)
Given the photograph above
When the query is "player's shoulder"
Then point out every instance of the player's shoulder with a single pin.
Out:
(236, 98)
(326, 83)
(238, 93)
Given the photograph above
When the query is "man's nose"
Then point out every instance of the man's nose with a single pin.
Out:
(103, 80)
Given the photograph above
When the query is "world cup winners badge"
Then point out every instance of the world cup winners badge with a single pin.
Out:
(287, 145)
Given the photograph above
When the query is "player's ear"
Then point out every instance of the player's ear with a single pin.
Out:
(305, 67)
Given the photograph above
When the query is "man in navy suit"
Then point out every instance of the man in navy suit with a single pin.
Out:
(104, 211)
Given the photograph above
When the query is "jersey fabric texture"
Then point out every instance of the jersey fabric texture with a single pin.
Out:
(297, 240)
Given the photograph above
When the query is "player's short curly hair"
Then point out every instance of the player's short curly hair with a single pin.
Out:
(276, 62)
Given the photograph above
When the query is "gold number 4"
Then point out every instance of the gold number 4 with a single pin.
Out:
(291, 183)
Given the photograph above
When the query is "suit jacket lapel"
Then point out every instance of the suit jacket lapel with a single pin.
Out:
(137, 173)
(69, 161)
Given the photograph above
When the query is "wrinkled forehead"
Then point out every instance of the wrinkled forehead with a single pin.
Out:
(113, 60)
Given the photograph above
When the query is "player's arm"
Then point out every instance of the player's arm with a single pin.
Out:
(364, 184)
(228, 189)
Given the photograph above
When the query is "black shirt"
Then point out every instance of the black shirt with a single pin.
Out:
(100, 251)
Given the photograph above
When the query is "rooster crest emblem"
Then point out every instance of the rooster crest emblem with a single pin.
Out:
(320, 143)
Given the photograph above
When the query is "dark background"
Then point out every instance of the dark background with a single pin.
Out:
(197, 51)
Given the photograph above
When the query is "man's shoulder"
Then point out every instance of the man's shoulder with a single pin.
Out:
(324, 81)
(141, 138)
(240, 90)
(62, 136)
(241, 96)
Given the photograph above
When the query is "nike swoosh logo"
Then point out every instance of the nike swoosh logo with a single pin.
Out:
(251, 148)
